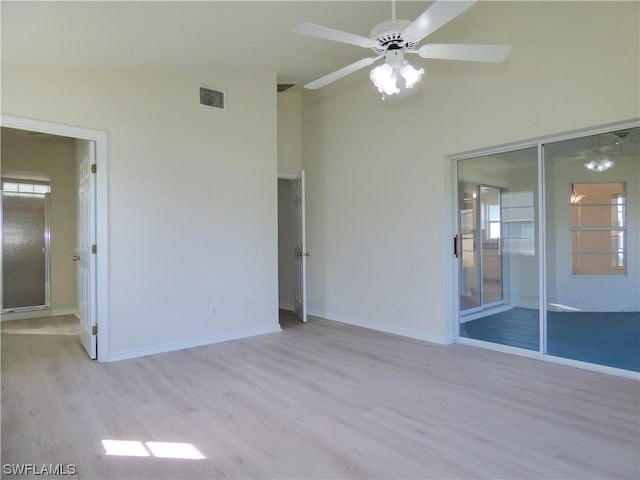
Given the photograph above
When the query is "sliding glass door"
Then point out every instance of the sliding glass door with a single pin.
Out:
(593, 246)
(498, 262)
(548, 248)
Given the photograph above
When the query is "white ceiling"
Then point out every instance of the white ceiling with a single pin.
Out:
(232, 36)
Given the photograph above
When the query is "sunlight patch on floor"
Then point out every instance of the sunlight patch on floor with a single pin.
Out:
(133, 448)
(174, 450)
(125, 448)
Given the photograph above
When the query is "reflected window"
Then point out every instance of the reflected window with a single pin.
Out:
(598, 228)
(519, 228)
(494, 221)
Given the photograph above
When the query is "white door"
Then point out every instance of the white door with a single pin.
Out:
(299, 247)
(85, 254)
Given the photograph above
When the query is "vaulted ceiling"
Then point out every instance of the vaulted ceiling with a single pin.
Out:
(242, 36)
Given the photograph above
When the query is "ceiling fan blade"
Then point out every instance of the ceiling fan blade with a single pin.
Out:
(434, 17)
(470, 53)
(343, 72)
(332, 34)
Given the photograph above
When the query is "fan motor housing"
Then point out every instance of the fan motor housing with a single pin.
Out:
(388, 35)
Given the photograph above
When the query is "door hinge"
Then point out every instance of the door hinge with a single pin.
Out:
(94, 168)
(94, 249)
(94, 330)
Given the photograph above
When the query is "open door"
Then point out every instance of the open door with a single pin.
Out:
(300, 247)
(86, 250)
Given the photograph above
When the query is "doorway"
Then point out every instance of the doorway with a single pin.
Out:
(292, 253)
(286, 289)
(98, 302)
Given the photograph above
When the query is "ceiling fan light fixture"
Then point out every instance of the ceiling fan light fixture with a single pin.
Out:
(575, 198)
(411, 75)
(599, 165)
(386, 76)
(385, 79)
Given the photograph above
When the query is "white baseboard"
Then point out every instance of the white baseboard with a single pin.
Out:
(190, 343)
(65, 311)
(45, 312)
(8, 317)
(287, 307)
(381, 327)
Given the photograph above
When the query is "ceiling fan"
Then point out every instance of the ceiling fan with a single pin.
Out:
(395, 38)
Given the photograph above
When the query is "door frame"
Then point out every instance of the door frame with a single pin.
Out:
(101, 213)
(47, 265)
(300, 242)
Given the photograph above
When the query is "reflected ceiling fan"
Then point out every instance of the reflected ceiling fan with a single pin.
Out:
(621, 142)
(395, 38)
(601, 150)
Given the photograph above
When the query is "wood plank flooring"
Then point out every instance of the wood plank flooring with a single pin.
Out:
(318, 400)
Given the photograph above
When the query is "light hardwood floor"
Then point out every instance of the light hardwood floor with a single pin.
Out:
(318, 400)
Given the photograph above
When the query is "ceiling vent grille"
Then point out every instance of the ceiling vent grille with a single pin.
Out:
(283, 87)
(212, 98)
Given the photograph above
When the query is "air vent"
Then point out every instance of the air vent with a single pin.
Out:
(622, 133)
(282, 87)
(211, 98)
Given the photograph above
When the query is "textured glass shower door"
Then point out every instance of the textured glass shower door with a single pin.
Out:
(25, 235)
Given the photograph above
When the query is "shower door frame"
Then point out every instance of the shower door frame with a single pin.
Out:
(46, 253)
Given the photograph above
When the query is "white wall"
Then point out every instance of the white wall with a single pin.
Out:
(289, 132)
(379, 190)
(49, 158)
(192, 202)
